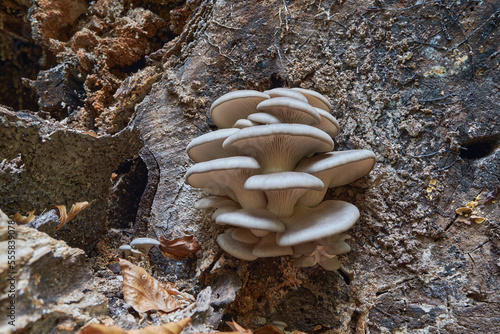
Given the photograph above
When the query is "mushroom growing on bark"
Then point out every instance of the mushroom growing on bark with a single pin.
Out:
(268, 170)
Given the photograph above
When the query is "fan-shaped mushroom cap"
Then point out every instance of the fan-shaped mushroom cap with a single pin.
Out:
(290, 110)
(279, 147)
(267, 247)
(335, 169)
(225, 177)
(306, 248)
(285, 92)
(328, 123)
(258, 219)
(315, 99)
(209, 146)
(126, 249)
(283, 189)
(244, 235)
(263, 118)
(236, 248)
(308, 224)
(244, 123)
(329, 263)
(213, 202)
(304, 261)
(229, 108)
(144, 244)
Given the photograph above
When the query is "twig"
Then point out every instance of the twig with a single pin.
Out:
(446, 167)
(411, 7)
(223, 25)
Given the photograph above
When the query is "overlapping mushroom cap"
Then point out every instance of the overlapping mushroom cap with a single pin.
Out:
(268, 170)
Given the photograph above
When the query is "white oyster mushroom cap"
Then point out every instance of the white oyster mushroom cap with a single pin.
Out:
(225, 209)
(136, 254)
(285, 92)
(209, 146)
(126, 249)
(244, 123)
(309, 224)
(144, 244)
(306, 248)
(315, 99)
(263, 118)
(267, 247)
(283, 189)
(329, 124)
(213, 202)
(225, 177)
(329, 263)
(236, 248)
(335, 169)
(289, 110)
(244, 235)
(259, 219)
(229, 108)
(304, 261)
(279, 147)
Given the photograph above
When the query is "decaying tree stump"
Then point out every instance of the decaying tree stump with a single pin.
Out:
(115, 90)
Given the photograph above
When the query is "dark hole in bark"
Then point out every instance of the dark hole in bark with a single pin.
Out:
(477, 148)
(346, 278)
(128, 184)
(276, 81)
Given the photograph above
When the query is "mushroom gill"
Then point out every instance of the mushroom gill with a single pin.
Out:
(269, 170)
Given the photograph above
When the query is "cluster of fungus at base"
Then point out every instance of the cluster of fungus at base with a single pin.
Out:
(267, 170)
(139, 248)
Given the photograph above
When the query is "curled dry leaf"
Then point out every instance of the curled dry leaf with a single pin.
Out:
(66, 217)
(20, 219)
(237, 328)
(170, 328)
(268, 329)
(179, 248)
(143, 292)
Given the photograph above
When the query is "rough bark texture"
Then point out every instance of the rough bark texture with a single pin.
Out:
(415, 82)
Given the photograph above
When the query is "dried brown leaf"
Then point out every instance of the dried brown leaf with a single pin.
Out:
(268, 329)
(20, 219)
(298, 332)
(101, 329)
(143, 292)
(66, 217)
(170, 328)
(237, 328)
(179, 248)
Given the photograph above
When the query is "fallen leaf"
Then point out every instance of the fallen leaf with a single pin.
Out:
(101, 329)
(237, 328)
(66, 217)
(143, 292)
(268, 329)
(297, 332)
(170, 328)
(179, 248)
(20, 219)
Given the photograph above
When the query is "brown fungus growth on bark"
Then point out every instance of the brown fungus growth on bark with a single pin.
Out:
(274, 162)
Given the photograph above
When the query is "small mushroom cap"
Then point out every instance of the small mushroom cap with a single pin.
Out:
(126, 249)
(225, 177)
(263, 118)
(259, 219)
(229, 108)
(306, 248)
(144, 244)
(136, 253)
(335, 169)
(244, 123)
(236, 248)
(305, 261)
(279, 147)
(285, 92)
(209, 146)
(214, 202)
(315, 99)
(267, 247)
(289, 110)
(309, 224)
(244, 235)
(329, 263)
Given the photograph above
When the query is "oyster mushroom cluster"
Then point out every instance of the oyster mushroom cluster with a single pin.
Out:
(267, 170)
